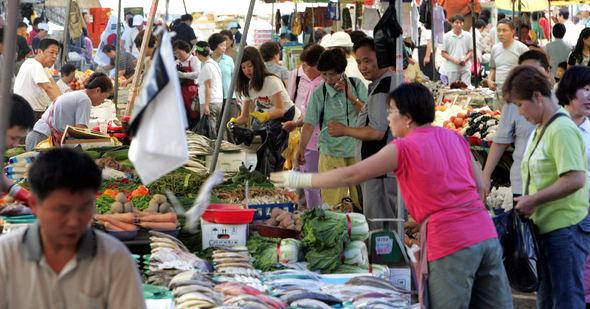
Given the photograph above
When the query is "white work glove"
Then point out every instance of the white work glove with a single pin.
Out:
(291, 179)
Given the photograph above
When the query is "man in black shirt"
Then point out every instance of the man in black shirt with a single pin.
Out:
(184, 31)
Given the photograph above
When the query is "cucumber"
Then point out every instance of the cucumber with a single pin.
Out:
(93, 154)
(119, 155)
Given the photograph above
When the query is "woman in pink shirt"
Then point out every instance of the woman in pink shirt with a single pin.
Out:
(442, 187)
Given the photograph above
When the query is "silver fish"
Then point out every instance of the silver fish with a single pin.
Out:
(197, 297)
(181, 290)
(309, 304)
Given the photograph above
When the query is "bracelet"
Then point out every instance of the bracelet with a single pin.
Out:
(356, 101)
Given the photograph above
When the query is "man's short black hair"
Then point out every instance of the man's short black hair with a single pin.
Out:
(21, 114)
(186, 17)
(45, 43)
(215, 39)
(562, 65)
(333, 59)
(365, 42)
(318, 35)
(559, 31)
(67, 69)
(457, 17)
(480, 23)
(501, 16)
(63, 168)
(21, 24)
(507, 22)
(109, 48)
(37, 21)
(415, 101)
(357, 35)
(563, 12)
(269, 50)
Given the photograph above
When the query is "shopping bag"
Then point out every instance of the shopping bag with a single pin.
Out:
(521, 251)
(290, 152)
(205, 128)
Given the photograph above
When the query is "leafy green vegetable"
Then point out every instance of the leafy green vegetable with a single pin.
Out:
(325, 236)
(103, 203)
(13, 152)
(141, 202)
(356, 253)
(265, 250)
(178, 182)
(359, 228)
(245, 174)
(381, 271)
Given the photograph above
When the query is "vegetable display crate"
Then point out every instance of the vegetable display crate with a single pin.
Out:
(230, 161)
(263, 210)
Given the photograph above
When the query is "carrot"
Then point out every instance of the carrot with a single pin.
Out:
(109, 226)
(120, 224)
(125, 217)
(144, 213)
(158, 225)
(168, 217)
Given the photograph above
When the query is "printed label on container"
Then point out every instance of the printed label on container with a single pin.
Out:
(383, 245)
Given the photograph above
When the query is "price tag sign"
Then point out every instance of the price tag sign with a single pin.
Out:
(383, 245)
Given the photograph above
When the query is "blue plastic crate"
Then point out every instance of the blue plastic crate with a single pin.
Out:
(263, 211)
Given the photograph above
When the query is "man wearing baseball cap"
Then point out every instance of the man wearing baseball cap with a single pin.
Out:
(128, 38)
(342, 40)
(42, 31)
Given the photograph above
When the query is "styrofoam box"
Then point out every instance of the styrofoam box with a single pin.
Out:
(223, 235)
(231, 161)
(400, 277)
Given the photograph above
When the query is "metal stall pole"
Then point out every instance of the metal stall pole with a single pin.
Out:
(118, 51)
(9, 47)
(399, 75)
(185, 10)
(64, 49)
(550, 28)
(432, 4)
(232, 87)
(474, 43)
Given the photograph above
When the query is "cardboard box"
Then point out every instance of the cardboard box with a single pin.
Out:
(223, 235)
(230, 161)
(85, 137)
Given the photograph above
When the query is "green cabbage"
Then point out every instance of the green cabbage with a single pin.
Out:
(356, 253)
(381, 271)
(324, 238)
(359, 228)
(264, 250)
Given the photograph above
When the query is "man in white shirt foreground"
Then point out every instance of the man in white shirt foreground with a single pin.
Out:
(60, 261)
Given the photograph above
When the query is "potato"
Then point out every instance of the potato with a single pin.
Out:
(117, 207)
(276, 212)
(128, 207)
(121, 198)
(282, 216)
(166, 208)
(270, 222)
(286, 222)
(292, 227)
(153, 206)
(159, 198)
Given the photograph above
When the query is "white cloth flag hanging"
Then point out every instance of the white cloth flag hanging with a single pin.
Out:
(158, 122)
(108, 36)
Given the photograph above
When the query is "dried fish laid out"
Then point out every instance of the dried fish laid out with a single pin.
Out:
(194, 289)
(235, 265)
(369, 292)
(169, 256)
(201, 145)
(233, 291)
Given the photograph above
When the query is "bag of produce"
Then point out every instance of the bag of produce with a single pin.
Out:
(358, 228)
(355, 254)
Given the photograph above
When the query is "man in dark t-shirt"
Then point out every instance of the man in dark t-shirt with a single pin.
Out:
(184, 31)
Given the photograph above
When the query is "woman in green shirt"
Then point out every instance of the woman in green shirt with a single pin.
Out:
(555, 189)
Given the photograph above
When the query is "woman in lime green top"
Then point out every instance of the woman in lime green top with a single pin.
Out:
(555, 189)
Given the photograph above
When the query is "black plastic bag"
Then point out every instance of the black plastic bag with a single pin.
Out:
(521, 251)
(205, 128)
(385, 33)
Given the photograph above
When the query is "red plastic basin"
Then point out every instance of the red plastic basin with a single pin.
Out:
(228, 214)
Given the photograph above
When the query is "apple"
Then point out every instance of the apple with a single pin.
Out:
(445, 123)
(453, 118)
(458, 122)
(462, 115)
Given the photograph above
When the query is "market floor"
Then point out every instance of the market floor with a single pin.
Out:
(524, 300)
